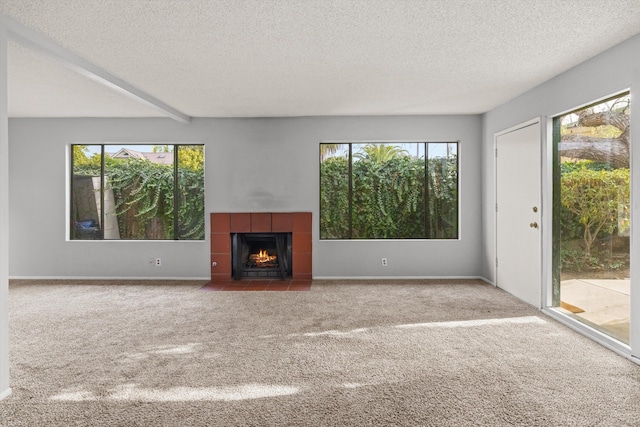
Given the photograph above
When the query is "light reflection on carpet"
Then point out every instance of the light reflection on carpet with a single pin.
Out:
(131, 392)
(162, 350)
(478, 322)
(448, 325)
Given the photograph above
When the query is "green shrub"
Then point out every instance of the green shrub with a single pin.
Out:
(144, 196)
(598, 200)
(389, 198)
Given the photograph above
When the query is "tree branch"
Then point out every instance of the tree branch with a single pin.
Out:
(604, 150)
(619, 120)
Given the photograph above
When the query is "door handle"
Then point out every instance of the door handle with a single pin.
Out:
(533, 225)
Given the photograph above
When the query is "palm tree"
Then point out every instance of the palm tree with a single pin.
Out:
(380, 153)
(327, 150)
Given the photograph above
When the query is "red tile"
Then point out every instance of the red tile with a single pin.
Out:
(302, 242)
(219, 278)
(300, 285)
(220, 243)
(302, 222)
(281, 222)
(220, 223)
(301, 264)
(240, 222)
(223, 265)
(214, 286)
(234, 287)
(257, 285)
(223, 282)
(261, 222)
(278, 285)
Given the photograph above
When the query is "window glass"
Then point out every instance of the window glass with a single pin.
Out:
(335, 193)
(443, 190)
(137, 190)
(379, 191)
(86, 200)
(190, 224)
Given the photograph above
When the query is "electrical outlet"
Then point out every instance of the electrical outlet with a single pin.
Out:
(384, 262)
(158, 262)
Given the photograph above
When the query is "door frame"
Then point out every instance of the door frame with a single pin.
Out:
(545, 184)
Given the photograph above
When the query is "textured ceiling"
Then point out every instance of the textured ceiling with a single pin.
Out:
(222, 58)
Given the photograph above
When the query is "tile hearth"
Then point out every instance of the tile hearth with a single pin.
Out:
(258, 285)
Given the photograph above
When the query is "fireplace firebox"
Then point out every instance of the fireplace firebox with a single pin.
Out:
(261, 255)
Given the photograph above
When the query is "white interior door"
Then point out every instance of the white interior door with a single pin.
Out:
(518, 213)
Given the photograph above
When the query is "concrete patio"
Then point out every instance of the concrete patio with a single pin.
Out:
(605, 304)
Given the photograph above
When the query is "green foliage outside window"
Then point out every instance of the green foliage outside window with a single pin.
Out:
(443, 197)
(334, 198)
(144, 194)
(592, 192)
(388, 197)
(596, 202)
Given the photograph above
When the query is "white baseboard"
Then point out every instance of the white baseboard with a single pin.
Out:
(374, 278)
(6, 393)
(103, 278)
(489, 282)
(400, 278)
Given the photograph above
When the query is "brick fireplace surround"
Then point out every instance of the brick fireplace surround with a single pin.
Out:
(296, 223)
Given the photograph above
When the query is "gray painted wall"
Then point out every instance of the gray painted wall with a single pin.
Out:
(251, 165)
(613, 71)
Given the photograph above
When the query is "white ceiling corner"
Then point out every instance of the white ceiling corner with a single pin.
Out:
(42, 88)
(231, 58)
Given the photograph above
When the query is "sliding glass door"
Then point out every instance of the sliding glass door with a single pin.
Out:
(591, 218)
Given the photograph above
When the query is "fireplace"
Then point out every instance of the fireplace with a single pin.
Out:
(261, 255)
(271, 232)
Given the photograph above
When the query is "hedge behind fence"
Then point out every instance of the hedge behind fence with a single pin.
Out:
(389, 199)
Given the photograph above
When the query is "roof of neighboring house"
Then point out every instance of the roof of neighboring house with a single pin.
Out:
(161, 158)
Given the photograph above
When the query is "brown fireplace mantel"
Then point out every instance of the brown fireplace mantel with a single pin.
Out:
(296, 223)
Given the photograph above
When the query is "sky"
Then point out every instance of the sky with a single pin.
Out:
(114, 148)
(415, 149)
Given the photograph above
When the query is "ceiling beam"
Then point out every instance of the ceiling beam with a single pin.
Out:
(47, 47)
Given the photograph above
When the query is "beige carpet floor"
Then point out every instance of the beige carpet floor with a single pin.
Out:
(342, 354)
